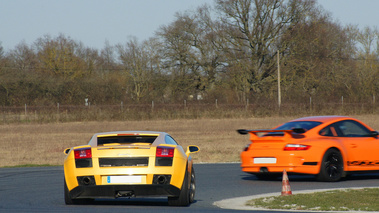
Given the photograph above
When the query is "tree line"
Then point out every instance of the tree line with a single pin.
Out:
(229, 51)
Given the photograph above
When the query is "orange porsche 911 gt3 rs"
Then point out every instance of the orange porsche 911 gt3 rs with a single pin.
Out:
(129, 164)
(326, 146)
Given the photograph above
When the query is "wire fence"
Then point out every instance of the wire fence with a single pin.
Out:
(187, 110)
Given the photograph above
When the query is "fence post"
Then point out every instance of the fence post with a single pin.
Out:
(152, 105)
(25, 110)
(216, 103)
(247, 104)
(310, 103)
(373, 103)
(58, 116)
(122, 106)
(185, 103)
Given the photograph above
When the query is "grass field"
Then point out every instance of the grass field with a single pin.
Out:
(334, 200)
(41, 144)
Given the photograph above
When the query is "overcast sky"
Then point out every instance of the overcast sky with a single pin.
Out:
(95, 21)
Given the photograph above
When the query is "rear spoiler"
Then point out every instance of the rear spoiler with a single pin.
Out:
(295, 130)
(287, 132)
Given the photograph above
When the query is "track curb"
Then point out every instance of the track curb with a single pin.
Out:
(239, 203)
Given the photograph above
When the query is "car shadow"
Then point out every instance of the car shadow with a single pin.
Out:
(307, 178)
(130, 202)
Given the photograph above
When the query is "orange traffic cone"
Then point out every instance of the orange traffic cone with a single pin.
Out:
(286, 188)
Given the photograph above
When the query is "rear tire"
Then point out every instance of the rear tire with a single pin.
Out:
(187, 193)
(67, 198)
(192, 188)
(331, 166)
(70, 201)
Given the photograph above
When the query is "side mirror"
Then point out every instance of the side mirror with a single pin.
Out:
(192, 149)
(66, 151)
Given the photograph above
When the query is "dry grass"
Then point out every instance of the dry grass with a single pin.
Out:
(219, 142)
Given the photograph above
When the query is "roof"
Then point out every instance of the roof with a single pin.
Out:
(130, 132)
(322, 119)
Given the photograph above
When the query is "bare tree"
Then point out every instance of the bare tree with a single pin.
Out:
(23, 57)
(191, 53)
(1, 50)
(252, 30)
(108, 58)
(135, 60)
(368, 65)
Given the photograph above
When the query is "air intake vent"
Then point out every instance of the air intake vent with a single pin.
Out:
(117, 162)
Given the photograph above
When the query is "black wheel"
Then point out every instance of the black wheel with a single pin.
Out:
(69, 201)
(187, 193)
(331, 166)
(192, 188)
(67, 198)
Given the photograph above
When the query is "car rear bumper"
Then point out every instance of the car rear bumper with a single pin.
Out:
(267, 163)
(114, 191)
(279, 169)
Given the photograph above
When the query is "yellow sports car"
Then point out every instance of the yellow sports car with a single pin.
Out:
(129, 164)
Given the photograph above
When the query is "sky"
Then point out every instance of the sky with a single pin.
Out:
(93, 22)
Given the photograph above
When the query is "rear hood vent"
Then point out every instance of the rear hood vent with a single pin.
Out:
(123, 147)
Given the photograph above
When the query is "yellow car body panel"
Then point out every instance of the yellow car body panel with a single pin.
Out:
(178, 168)
(135, 167)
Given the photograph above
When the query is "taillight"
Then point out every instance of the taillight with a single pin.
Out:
(296, 147)
(83, 153)
(165, 151)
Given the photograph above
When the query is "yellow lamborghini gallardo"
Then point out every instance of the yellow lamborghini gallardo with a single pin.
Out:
(129, 164)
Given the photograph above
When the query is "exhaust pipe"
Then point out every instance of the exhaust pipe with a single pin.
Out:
(161, 179)
(86, 181)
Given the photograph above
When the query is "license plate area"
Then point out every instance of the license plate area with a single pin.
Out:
(264, 160)
(124, 179)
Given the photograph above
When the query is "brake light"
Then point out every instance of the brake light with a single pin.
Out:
(296, 147)
(83, 153)
(165, 152)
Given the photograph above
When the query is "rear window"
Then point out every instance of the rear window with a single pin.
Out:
(125, 139)
(306, 125)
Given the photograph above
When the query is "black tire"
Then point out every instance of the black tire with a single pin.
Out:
(192, 188)
(331, 166)
(187, 193)
(68, 199)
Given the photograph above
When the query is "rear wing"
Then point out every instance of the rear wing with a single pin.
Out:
(286, 132)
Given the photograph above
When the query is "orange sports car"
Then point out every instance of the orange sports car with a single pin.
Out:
(326, 146)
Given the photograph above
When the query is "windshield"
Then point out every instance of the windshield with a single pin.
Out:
(306, 125)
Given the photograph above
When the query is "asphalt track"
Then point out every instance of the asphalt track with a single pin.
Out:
(40, 189)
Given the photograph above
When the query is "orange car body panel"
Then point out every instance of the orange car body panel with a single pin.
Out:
(359, 153)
